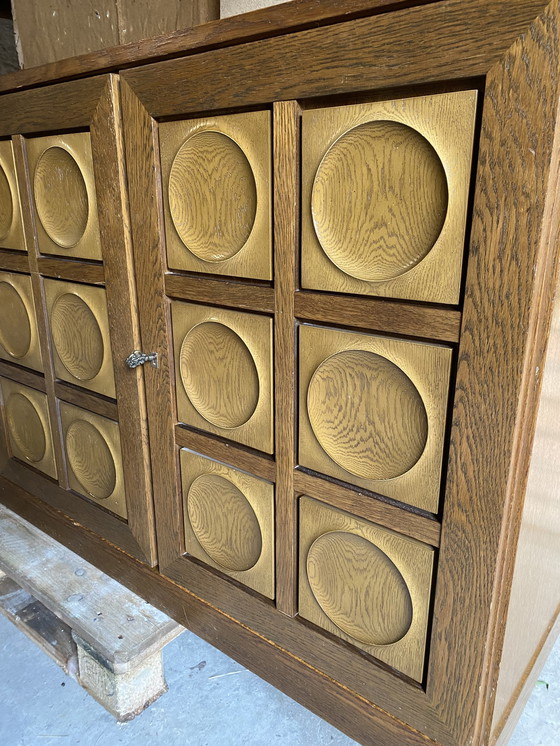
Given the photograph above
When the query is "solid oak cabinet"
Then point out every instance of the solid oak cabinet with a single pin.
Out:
(279, 345)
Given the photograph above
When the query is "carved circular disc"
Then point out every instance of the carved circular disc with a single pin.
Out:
(77, 337)
(61, 197)
(219, 375)
(367, 414)
(6, 204)
(26, 428)
(15, 329)
(359, 588)
(224, 522)
(212, 196)
(90, 459)
(379, 200)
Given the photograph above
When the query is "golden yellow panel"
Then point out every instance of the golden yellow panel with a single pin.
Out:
(19, 341)
(11, 229)
(366, 584)
(93, 453)
(223, 365)
(216, 176)
(61, 168)
(229, 520)
(372, 412)
(28, 426)
(79, 328)
(384, 196)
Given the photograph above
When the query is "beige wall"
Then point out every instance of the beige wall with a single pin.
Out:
(234, 7)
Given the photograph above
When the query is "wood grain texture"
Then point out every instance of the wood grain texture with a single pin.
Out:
(71, 270)
(535, 593)
(14, 261)
(116, 239)
(287, 117)
(259, 24)
(45, 342)
(365, 506)
(259, 464)
(365, 584)
(11, 229)
(44, 109)
(476, 37)
(27, 377)
(142, 159)
(514, 248)
(217, 192)
(19, 341)
(372, 314)
(229, 520)
(82, 398)
(229, 293)
(357, 716)
(360, 396)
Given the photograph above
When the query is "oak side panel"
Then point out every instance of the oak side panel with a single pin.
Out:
(44, 109)
(262, 23)
(286, 130)
(535, 594)
(458, 40)
(142, 161)
(357, 716)
(441, 324)
(514, 232)
(43, 329)
(108, 152)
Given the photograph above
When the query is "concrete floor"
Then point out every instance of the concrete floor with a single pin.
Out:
(212, 701)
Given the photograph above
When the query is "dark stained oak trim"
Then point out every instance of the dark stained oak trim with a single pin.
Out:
(23, 375)
(86, 399)
(259, 24)
(14, 261)
(458, 40)
(374, 314)
(71, 270)
(372, 509)
(235, 294)
(227, 451)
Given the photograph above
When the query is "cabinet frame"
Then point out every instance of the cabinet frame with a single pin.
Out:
(91, 105)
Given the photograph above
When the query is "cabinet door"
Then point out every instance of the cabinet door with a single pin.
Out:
(74, 428)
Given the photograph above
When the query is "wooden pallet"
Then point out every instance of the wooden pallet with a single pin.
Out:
(109, 638)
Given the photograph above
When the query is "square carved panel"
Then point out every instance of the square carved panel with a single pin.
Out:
(28, 427)
(19, 342)
(92, 447)
(223, 366)
(366, 584)
(385, 189)
(229, 520)
(63, 186)
(372, 412)
(80, 338)
(216, 176)
(11, 230)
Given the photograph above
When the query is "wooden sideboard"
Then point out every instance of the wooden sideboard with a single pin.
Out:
(279, 344)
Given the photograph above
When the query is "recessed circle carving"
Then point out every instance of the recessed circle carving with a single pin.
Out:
(26, 428)
(367, 414)
(219, 375)
(6, 204)
(61, 197)
(379, 200)
(212, 196)
(224, 522)
(90, 459)
(77, 337)
(359, 588)
(15, 328)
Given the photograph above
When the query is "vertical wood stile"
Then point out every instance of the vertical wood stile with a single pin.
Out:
(286, 124)
(28, 220)
(141, 143)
